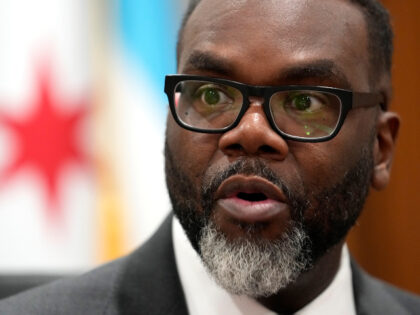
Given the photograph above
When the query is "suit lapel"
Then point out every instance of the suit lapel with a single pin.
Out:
(149, 283)
(371, 297)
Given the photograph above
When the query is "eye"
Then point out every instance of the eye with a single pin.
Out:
(213, 95)
(306, 102)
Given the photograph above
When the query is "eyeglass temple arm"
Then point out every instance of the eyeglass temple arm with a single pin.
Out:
(368, 100)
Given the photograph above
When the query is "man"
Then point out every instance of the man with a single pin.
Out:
(278, 128)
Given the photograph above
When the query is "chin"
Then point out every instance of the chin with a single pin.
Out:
(253, 265)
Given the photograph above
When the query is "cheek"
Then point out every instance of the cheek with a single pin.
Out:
(324, 164)
(316, 165)
(192, 151)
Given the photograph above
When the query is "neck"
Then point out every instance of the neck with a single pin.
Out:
(308, 285)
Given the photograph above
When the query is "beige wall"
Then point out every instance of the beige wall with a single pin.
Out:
(386, 241)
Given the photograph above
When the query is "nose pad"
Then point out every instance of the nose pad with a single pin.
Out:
(254, 136)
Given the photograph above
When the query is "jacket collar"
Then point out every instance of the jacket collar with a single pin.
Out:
(149, 283)
(371, 295)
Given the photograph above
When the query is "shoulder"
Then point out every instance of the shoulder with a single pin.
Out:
(407, 299)
(374, 296)
(86, 294)
(146, 280)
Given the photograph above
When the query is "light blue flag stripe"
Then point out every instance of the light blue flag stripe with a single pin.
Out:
(149, 29)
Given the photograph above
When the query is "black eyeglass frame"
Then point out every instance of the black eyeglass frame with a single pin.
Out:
(349, 100)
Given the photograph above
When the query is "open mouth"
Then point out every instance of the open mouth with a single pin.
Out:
(251, 197)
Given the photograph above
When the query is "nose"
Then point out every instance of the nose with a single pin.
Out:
(254, 137)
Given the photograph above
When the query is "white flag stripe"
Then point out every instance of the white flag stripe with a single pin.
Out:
(51, 36)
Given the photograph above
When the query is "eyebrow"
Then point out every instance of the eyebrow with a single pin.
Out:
(207, 62)
(322, 69)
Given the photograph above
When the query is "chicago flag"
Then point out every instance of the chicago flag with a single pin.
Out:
(82, 117)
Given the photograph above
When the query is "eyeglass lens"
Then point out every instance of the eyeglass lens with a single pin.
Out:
(213, 106)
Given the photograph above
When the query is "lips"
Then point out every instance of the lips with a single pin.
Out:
(250, 198)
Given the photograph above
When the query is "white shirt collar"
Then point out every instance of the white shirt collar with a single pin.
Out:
(205, 297)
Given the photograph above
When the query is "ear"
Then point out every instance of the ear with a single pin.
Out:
(387, 127)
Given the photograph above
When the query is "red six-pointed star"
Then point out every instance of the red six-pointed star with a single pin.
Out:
(46, 140)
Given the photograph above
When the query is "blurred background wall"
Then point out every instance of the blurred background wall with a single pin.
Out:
(386, 240)
(82, 115)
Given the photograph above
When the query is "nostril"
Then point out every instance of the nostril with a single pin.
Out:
(267, 149)
(235, 147)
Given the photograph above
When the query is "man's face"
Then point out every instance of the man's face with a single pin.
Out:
(224, 183)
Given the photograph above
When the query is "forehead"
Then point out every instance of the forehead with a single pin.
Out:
(257, 39)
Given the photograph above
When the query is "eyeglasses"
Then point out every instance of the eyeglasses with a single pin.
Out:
(300, 113)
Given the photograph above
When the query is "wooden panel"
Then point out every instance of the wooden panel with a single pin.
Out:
(386, 240)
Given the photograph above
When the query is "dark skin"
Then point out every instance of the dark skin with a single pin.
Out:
(284, 43)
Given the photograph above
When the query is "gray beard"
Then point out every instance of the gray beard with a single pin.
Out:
(256, 268)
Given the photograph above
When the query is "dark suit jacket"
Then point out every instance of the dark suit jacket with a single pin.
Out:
(147, 282)
(13, 284)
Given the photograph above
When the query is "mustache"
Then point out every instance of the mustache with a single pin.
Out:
(248, 166)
